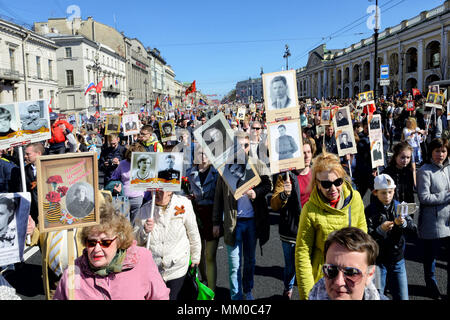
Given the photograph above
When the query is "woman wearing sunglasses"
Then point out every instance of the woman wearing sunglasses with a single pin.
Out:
(332, 205)
(112, 266)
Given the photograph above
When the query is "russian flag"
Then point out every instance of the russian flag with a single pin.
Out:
(90, 87)
(202, 103)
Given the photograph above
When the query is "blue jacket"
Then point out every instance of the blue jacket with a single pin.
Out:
(9, 177)
(204, 195)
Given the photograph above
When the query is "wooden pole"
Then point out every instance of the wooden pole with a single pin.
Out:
(151, 215)
(71, 263)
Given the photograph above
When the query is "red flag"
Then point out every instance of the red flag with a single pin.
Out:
(126, 103)
(97, 115)
(49, 105)
(415, 92)
(191, 88)
(99, 86)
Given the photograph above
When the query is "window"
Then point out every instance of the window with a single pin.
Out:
(12, 60)
(50, 69)
(69, 77)
(41, 94)
(38, 67)
(29, 94)
(68, 52)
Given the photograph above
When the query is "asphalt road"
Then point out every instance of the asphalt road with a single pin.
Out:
(268, 283)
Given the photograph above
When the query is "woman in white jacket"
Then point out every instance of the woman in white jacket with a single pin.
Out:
(174, 237)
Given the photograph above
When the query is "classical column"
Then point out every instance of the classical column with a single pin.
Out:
(325, 83)
(371, 72)
(334, 83)
(420, 64)
(444, 52)
(401, 56)
(342, 82)
(350, 80)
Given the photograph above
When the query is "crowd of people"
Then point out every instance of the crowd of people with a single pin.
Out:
(334, 246)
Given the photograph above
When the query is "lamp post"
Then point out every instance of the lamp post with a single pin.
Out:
(286, 55)
(96, 67)
(146, 99)
(375, 58)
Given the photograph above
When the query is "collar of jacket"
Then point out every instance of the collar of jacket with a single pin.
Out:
(346, 198)
(149, 142)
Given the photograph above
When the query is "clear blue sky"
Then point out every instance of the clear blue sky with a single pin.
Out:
(218, 43)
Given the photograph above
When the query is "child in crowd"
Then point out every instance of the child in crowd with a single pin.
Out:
(388, 229)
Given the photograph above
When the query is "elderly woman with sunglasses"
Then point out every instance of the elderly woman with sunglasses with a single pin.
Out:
(333, 204)
(112, 266)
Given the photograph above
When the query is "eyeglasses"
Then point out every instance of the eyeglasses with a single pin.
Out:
(327, 184)
(256, 128)
(104, 243)
(331, 271)
(144, 134)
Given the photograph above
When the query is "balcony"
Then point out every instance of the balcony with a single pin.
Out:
(8, 75)
(111, 91)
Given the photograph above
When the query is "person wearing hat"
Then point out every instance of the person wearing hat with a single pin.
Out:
(388, 229)
(33, 120)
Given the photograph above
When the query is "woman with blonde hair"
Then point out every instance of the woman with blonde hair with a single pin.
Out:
(333, 204)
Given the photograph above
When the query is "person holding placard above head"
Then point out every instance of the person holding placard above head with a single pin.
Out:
(291, 192)
(244, 222)
(389, 230)
(278, 90)
(332, 205)
(112, 266)
(285, 145)
(174, 237)
(433, 190)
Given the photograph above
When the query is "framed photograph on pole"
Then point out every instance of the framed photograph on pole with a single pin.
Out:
(167, 129)
(280, 95)
(345, 139)
(67, 191)
(131, 124)
(285, 146)
(112, 124)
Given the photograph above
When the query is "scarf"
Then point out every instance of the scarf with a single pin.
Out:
(115, 265)
(319, 292)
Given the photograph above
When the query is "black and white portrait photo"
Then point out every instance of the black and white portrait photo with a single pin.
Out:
(34, 115)
(14, 213)
(434, 88)
(8, 229)
(342, 118)
(80, 200)
(7, 121)
(375, 124)
(131, 126)
(280, 94)
(325, 114)
(216, 139)
(376, 151)
(236, 175)
(439, 99)
(130, 123)
(167, 129)
(285, 144)
(345, 141)
(169, 166)
(113, 124)
(431, 97)
(144, 166)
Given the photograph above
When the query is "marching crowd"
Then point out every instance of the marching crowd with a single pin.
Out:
(334, 247)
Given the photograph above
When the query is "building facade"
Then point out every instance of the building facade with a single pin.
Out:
(249, 89)
(416, 51)
(28, 69)
(138, 75)
(82, 61)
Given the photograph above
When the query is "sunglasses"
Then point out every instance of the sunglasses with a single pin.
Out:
(104, 243)
(256, 128)
(331, 271)
(327, 184)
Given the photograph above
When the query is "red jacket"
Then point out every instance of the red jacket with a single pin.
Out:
(58, 135)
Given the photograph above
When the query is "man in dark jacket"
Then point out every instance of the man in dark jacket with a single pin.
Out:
(110, 156)
(32, 151)
(244, 222)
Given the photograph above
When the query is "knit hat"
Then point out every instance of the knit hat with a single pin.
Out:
(383, 181)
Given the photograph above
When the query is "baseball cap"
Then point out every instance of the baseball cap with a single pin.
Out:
(383, 181)
(53, 116)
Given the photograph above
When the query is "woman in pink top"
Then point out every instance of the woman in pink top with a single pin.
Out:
(112, 266)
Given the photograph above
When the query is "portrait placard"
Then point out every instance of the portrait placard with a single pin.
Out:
(156, 170)
(325, 116)
(410, 105)
(240, 177)
(365, 96)
(434, 100)
(285, 146)
(131, 124)
(376, 141)
(345, 139)
(14, 212)
(167, 129)
(216, 139)
(280, 95)
(68, 191)
(241, 113)
(112, 124)
(24, 122)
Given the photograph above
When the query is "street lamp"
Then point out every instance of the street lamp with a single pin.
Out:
(146, 99)
(96, 67)
(286, 55)
(375, 58)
